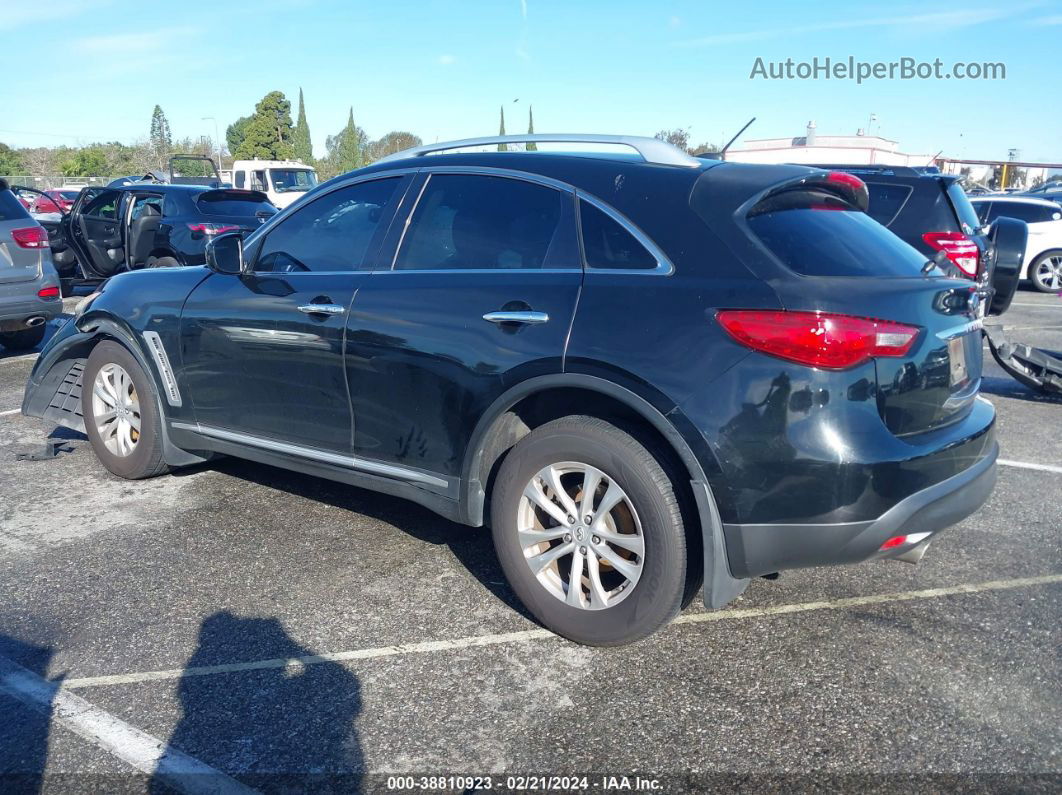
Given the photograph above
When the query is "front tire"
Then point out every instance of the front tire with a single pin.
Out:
(120, 407)
(1045, 272)
(580, 501)
(24, 339)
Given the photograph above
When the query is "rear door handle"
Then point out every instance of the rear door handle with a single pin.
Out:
(525, 317)
(322, 309)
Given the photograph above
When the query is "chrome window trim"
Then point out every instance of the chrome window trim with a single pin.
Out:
(313, 454)
(252, 239)
(664, 266)
(480, 171)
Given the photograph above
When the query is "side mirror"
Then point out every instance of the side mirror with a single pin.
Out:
(224, 254)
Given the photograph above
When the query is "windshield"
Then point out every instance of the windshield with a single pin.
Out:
(292, 179)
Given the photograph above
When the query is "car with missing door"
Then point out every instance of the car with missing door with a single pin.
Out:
(646, 372)
(29, 285)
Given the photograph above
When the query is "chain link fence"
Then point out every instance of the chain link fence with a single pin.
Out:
(52, 183)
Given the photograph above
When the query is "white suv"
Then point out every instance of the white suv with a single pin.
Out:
(1043, 253)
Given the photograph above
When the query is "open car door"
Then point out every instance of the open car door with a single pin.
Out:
(95, 231)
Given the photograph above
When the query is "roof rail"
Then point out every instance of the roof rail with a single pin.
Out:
(652, 150)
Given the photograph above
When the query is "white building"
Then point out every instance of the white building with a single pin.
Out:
(811, 148)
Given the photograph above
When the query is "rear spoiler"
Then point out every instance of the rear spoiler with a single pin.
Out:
(842, 184)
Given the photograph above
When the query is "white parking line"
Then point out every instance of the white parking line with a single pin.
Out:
(1038, 306)
(1026, 465)
(543, 634)
(137, 748)
(24, 357)
(9, 412)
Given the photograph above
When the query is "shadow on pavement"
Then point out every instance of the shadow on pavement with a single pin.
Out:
(286, 728)
(23, 729)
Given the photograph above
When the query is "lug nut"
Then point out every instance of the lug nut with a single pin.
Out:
(582, 550)
(587, 519)
(571, 520)
(567, 537)
(597, 540)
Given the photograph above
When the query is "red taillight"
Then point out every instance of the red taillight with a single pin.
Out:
(960, 249)
(30, 237)
(844, 178)
(48, 292)
(818, 339)
(895, 541)
(213, 229)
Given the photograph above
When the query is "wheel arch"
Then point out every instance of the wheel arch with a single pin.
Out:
(545, 397)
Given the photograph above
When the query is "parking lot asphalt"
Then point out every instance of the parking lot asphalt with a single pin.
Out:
(252, 627)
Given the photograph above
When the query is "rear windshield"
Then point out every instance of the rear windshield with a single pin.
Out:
(818, 241)
(963, 209)
(11, 209)
(886, 200)
(232, 203)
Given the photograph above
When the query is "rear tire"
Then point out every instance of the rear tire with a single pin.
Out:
(1045, 272)
(121, 410)
(25, 339)
(631, 556)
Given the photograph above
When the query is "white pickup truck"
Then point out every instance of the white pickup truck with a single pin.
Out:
(283, 181)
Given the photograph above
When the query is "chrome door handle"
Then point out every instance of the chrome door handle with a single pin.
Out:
(516, 317)
(322, 309)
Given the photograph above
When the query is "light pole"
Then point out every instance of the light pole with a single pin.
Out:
(217, 140)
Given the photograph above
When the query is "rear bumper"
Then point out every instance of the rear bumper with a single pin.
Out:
(756, 549)
(15, 312)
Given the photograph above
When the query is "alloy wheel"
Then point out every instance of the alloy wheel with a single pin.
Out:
(580, 535)
(1049, 272)
(116, 410)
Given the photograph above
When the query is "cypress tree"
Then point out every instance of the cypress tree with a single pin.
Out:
(531, 145)
(348, 153)
(501, 131)
(301, 141)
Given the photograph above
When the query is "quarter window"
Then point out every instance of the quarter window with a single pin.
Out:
(330, 234)
(608, 245)
(472, 222)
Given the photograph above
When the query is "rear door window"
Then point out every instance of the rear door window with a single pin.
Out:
(104, 205)
(827, 241)
(473, 222)
(886, 201)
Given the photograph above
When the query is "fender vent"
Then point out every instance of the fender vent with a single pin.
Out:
(162, 361)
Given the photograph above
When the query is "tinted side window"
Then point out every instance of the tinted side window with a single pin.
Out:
(886, 201)
(482, 222)
(332, 233)
(241, 179)
(830, 242)
(606, 244)
(983, 209)
(1030, 213)
(105, 205)
(258, 181)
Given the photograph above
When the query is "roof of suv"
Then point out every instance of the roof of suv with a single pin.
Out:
(1008, 197)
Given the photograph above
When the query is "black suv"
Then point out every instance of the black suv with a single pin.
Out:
(641, 371)
(146, 225)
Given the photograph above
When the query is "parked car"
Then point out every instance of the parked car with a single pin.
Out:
(1042, 264)
(1048, 190)
(641, 372)
(29, 285)
(111, 230)
(283, 181)
(54, 201)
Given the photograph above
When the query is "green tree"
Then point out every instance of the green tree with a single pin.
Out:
(677, 137)
(90, 161)
(10, 161)
(269, 134)
(236, 132)
(531, 146)
(390, 144)
(348, 148)
(501, 131)
(160, 136)
(301, 142)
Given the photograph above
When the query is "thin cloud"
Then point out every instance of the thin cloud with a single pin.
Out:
(937, 20)
(17, 13)
(446, 59)
(125, 43)
(523, 9)
(1052, 20)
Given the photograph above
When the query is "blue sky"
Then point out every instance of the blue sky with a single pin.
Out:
(441, 69)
